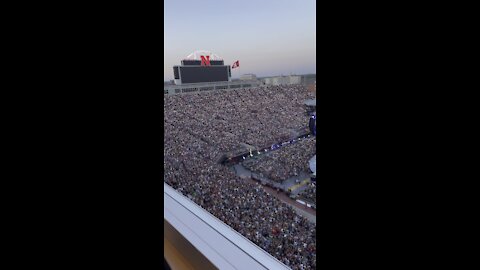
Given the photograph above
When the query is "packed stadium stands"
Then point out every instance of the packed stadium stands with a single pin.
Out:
(310, 194)
(201, 126)
(284, 163)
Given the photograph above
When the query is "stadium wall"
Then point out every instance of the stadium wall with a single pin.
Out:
(200, 87)
(289, 80)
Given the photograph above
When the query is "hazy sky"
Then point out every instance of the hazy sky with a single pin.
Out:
(268, 37)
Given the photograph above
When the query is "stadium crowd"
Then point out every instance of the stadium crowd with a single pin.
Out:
(201, 126)
(285, 162)
(310, 193)
(256, 117)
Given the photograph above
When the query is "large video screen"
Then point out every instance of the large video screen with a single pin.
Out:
(196, 74)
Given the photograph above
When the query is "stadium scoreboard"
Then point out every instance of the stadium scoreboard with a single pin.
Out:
(201, 71)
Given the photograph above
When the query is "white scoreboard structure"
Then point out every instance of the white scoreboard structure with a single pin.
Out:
(202, 67)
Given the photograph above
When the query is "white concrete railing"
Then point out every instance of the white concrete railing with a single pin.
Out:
(219, 243)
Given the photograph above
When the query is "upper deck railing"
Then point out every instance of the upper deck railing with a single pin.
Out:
(219, 243)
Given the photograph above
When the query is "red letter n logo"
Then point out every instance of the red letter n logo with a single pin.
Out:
(205, 60)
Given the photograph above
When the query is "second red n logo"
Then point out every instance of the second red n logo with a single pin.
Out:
(205, 60)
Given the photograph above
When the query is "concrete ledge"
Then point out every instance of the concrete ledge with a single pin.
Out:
(220, 244)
